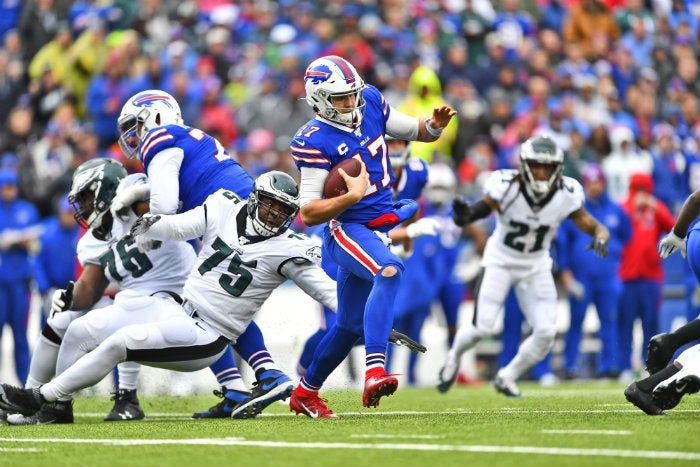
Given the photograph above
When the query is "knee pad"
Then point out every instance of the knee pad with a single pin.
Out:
(59, 323)
(545, 335)
(480, 333)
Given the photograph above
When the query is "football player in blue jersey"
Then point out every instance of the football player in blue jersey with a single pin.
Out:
(351, 120)
(185, 165)
(430, 268)
(411, 176)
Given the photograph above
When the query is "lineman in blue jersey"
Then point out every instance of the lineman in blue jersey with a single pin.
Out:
(185, 165)
(531, 204)
(352, 119)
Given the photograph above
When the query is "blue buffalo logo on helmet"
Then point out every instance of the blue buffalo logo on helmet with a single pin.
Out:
(317, 75)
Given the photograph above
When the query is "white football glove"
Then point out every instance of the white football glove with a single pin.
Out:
(383, 237)
(62, 299)
(670, 243)
(424, 226)
(126, 198)
(400, 251)
(143, 224)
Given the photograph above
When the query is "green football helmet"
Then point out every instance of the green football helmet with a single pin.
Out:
(544, 151)
(274, 203)
(94, 186)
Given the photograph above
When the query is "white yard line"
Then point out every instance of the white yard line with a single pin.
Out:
(504, 411)
(21, 450)
(375, 435)
(587, 432)
(675, 455)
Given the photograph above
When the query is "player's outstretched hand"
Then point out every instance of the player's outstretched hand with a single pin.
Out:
(599, 246)
(143, 224)
(422, 227)
(670, 243)
(460, 211)
(442, 116)
(62, 299)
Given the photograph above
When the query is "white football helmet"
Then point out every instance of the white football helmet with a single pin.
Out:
(333, 76)
(398, 153)
(273, 187)
(442, 184)
(541, 150)
(142, 113)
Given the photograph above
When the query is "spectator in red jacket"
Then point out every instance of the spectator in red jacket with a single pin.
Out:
(640, 268)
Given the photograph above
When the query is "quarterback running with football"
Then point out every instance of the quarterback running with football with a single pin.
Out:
(352, 119)
(530, 204)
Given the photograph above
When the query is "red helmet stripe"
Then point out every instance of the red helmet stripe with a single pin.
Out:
(151, 97)
(344, 67)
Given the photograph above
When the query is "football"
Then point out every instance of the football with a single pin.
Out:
(334, 184)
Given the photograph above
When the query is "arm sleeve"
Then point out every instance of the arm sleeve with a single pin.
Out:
(402, 126)
(185, 226)
(163, 176)
(313, 281)
(311, 186)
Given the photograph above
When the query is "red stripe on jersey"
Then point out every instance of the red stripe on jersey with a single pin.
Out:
(153, 134)
(304, 150)
(311, 160)
(146, 149)
(354, 250)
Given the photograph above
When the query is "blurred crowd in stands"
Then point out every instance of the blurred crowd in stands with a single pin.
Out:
(614, 82)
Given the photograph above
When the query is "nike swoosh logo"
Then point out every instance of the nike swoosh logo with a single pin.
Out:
(312, 414)
(681, 387)
(300, 143)
(267, 387)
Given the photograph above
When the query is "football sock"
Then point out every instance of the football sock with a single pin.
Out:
(226, 371)
(307, 355)
(128, 375)
(43, 364)
(251, 347)
(378, 314)
(330, 353)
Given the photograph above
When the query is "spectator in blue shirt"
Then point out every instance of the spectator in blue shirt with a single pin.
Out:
(55, 264)
(19, 230)
(591, 279)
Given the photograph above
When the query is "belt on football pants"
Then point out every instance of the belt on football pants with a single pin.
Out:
(190, 308)
(168, 293)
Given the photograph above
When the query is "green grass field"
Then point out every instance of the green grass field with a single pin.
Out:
(572, 424)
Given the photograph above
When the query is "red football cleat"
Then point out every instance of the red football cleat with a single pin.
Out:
(313, 407)
(378, 386)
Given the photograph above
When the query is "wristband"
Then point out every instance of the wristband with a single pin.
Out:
(436, 132)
